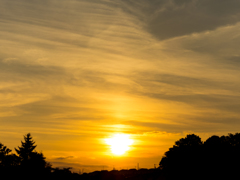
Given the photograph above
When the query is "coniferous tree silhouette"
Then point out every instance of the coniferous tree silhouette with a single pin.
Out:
(31, 161)
(26, 151)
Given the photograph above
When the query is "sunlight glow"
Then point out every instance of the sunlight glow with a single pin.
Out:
(119, 143)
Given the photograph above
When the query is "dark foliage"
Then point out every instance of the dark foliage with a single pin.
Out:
(4, 151)
(26, 151)
(31, 160)
(190, 158)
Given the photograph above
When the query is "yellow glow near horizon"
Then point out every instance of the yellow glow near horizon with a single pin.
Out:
(119, 143)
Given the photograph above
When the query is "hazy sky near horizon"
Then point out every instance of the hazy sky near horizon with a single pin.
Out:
(75, 72)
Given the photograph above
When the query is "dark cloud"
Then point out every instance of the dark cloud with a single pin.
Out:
(164, 19)
(167, 19)
(157, 126)
(202, 94)
(101, 81)
(233, 61)
(221, 103)
(44, 18)
(64, 158)
(63, 108)
(56, 76)
(225, 120)
(156, 82)
(202, 122)
(14, 70)
(172, 79)
(182, 124)
(54, 105)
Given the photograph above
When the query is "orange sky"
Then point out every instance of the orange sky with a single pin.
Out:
(73, 73)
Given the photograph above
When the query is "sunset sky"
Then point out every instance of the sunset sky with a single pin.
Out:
(74, 73)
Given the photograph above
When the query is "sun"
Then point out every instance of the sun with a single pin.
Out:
(119, 143)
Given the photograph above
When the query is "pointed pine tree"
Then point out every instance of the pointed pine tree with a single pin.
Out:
(31, 161)
(27, 149)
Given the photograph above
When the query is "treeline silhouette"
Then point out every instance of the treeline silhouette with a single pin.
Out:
(27, 163)
(189, 158)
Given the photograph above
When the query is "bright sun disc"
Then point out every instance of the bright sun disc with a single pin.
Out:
(119, 143)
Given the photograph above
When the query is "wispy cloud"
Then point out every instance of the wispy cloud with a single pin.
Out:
(78, 71)
(168, 19)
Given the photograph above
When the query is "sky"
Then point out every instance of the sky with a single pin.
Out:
(76, 72)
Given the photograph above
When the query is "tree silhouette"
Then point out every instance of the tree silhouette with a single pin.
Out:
(190, 158)
(4, 151)
(222, 155)
(27, 149)
(182, 158)
(184, 149)
(31, 161)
